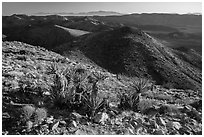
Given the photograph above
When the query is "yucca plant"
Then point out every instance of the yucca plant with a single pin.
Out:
(69, 84)
(91, 98)
(52, 69)
(131, 98)
(61, 90)
(141, 85)
(93, 102)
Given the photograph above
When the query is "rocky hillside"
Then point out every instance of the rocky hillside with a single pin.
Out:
(46, 93)
(130, 51)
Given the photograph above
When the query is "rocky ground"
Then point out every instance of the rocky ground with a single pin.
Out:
(27, 82)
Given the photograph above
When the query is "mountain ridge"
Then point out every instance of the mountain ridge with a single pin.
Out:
(90, 13)
(133, 52)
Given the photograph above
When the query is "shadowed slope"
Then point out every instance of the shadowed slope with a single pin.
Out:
(133, 52)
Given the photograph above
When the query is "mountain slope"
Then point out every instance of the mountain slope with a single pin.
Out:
(49, 31)
(133, 52)
(40, 98)
(46, 35)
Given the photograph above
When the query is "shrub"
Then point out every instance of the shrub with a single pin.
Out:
(93, 102)
(59, 90)
(142, 85)
(92, 99)
(144, 104)
(131, 98)
(40, 115)
(27, 112)
(31, 113)
(164, 109)
(76, 88)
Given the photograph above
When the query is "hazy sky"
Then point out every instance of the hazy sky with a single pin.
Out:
(9, 8)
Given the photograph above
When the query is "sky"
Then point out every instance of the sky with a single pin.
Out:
(30, 8)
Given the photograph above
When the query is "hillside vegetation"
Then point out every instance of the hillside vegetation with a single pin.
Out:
(46, 93)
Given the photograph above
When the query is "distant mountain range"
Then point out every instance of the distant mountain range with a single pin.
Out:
(91, 13)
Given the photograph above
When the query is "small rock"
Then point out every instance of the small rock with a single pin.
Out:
(80, 132)
(63, 122)
(49, 120)
(160, 121)
(101, 118)
(76, 116)
(55, 125)
(111, 113)
(113, 105)
(188, 108)
(29, 125)
(47, 93)
(5, 115)
(175, 125)
(73, 124)
(118, 121)
(158, 132)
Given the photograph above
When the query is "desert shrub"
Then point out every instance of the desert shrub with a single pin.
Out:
(76, 88)
(40, 115)
(27, 112)
(58, 90)
(141, 85)
(131, 97)
(52, 69)
(144, 105)
(31, 113)
(93, 102)
(168, 109)
(91, 97)
(73, 82)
